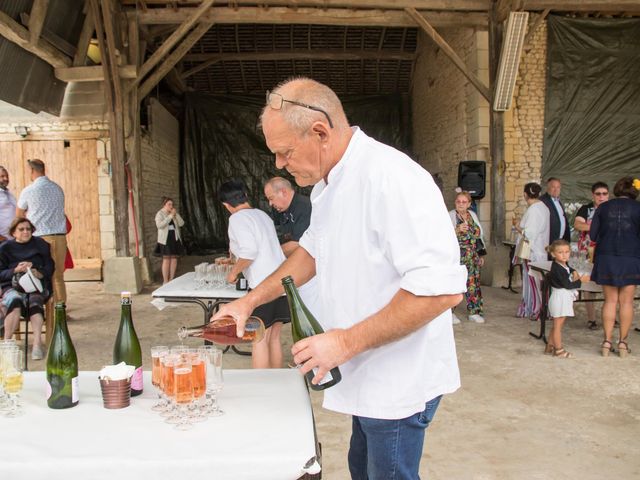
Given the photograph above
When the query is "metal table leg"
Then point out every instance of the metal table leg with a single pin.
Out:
(512, 251)
(544, 310)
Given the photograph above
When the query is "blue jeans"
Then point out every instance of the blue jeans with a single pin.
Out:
(389, 449)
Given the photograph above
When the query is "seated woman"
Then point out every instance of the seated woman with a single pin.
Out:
(17, 255)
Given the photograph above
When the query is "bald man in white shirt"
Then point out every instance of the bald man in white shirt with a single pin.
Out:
(387, 265)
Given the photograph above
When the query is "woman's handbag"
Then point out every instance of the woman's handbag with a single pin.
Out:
(523, 249)
(480, 248)
(26, 282)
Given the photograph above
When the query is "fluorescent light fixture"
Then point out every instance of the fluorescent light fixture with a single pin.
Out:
(509, 60)
(22, 131)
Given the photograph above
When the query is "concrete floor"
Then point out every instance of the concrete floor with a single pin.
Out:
(519, 414)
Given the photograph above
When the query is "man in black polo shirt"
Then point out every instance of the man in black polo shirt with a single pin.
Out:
(291, 212)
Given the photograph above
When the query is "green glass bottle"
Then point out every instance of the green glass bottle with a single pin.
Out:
(303, 325)
(127, 346)
(62, 364)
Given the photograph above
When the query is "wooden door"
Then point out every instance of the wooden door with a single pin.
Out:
(73, 165)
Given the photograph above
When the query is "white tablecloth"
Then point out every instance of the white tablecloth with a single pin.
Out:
(184, 286)
(266, 433)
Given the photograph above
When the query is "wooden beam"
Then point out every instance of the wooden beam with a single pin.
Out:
(461, 5)
(94, 11)
(173, 39)
(55, 40)
(93, 73)
(449, 52)
(66, 135)
(584, 5)
(83, 42)
(315, 16)
(496, 137)
(175, 82)
(112, 49)
(532, 30)
(210, 59)
(16, 33)
(36, 20)
(304, 54)
(173, 59)
(116, 126)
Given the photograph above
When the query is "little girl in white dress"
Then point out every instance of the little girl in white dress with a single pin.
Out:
(565, 282)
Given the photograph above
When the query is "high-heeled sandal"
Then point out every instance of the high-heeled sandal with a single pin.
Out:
(549, 349)
(623, 352)
(606, 348)
(562, 353)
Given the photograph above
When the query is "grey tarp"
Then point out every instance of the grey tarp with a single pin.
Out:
(592, 112)
(221, 139)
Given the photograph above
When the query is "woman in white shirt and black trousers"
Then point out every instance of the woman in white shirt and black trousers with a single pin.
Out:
(169, 246)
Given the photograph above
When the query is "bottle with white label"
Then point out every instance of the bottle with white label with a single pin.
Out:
(62, 364)
(127, 346)
(303, 325)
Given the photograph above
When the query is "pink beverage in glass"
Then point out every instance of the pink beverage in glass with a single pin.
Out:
(156, 371)
(198, 377)
(167, 379)
(183, 385)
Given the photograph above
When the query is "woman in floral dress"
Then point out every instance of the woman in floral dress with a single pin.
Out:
(469, 234)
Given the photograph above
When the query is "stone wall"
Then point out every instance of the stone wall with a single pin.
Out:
(450, 118)
(160, 176)
(524, 124)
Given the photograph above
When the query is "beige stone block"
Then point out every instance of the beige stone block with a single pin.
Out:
(104, 185)
(107, 223)
(108, 253)
(106, 204)
(107, 240)
(101, 150)
(122, 274)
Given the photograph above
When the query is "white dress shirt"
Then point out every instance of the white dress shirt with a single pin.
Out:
(377, 226)
(563, 223)
(44, 202)
(7, 211)
(252, 236)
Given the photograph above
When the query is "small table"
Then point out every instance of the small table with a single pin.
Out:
(183, 290)
(512, 251)
(267, 432)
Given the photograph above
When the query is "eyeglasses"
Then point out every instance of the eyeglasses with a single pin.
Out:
(23, 229)
(601, 194)
(275, 101)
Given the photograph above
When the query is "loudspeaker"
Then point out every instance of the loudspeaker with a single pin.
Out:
(471, 177)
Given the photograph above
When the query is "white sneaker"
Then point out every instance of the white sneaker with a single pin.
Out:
(455, 319)
(37, 353)
(476, 318)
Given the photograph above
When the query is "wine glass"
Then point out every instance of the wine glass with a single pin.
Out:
(199, 382)
(183, 387)
(167, 381)
(12, 380)
(215, 379)
(5, 347)
(157, 353)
